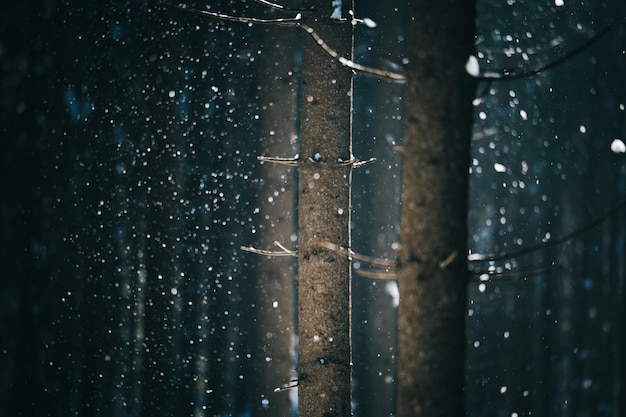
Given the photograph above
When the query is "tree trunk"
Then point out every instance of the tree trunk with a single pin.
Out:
(274, 297)
(432, 272)
(324, 216)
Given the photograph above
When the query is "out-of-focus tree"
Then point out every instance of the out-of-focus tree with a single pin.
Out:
(432, 272)
(542, 325)
(127, 210)
(274, 327)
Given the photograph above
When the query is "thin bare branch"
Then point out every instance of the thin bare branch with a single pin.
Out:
(296, 21)
(366, 273)
(504, 74)
(282, 252)
(282, 161)
(290, 21)
(347, 253)
(392, 76)
(284, 249)
(365, 21)
(357, 163)
(444, 264)
(289, 385)
(281, 7)
(480, 257)
(500, 274)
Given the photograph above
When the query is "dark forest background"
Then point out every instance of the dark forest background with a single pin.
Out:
(130, 136)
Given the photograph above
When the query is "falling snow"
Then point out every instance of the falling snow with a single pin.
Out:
(131, 146)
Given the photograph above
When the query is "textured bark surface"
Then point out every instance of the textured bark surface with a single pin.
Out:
(432, 272)
(324, 215)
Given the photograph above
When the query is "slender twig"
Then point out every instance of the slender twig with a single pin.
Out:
(296, 21)
(357, 163)
(289, 385)
(510, 51)
(390, 75)
(479, 257)
(348, 253)
(276, 160)
(366, 273)
(366, 21)
(284, 8)
(500, 274)
(501, 75)
(290, 21)
(284, 249)
(444, 264)
(282, 252)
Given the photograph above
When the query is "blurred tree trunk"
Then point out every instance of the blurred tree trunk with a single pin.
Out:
(324, 215)
(378, 125)
(432, 270)
(274, 306)
(22, 162)
(120, 287)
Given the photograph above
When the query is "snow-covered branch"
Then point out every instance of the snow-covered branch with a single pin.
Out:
(290, 21)
(281, 7)
(289, 385)
(390, 75)
(296, 21)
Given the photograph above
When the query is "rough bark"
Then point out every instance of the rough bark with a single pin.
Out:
(324, 215)
(432, 270)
